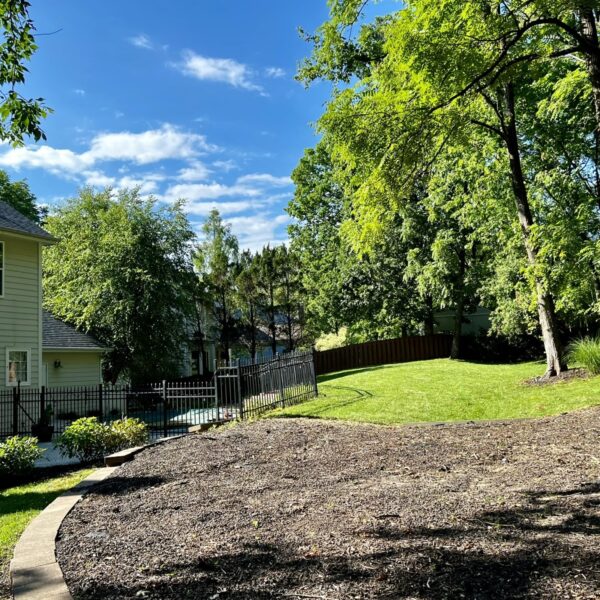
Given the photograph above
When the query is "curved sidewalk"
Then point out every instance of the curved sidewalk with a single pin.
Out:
(34, 571)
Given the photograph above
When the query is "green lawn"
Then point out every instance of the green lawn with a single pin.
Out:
(443, 390)
(19, 505)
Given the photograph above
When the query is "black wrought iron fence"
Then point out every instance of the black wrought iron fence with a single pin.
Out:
(239, 389)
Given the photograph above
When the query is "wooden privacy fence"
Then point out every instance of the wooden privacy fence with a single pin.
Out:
(238, 390)
(381, 352)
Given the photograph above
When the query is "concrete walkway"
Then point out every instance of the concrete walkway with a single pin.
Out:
(53, 458)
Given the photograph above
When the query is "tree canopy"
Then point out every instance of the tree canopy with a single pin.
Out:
(465, 132)
(122, 271)
(19, 116)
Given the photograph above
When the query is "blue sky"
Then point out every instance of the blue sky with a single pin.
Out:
(191, 100)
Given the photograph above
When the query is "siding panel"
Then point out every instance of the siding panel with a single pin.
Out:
(20, 307)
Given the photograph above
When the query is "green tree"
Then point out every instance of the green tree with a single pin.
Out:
(249, 298)
(269, 278)
(216, 261)
(122, 271)
(290, 295)
(19, 116)
(19, 196)
(421, 103)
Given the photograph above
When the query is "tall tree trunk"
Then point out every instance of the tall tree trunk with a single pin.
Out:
(589, 32)
(290, 331)
(428, 322)
(252, 332)
(554, 355)
(460, 306)
(272, 324)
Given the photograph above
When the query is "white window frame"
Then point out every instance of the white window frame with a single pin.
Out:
(28, 352)
(2, 269)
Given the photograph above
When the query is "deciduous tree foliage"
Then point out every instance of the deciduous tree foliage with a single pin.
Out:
(122, 271)
(19, 116)
(216, 262)
(484, 115)
(19, 196)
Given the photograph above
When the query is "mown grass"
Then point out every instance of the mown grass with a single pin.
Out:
(443, 390)
(19, 505)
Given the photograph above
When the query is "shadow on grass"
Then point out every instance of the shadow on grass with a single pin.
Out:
(327, 405)
(340, 374)
(41, 474)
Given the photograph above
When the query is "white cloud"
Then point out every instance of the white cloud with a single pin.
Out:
(141, 41)
(208, 191)
(224, 70)
(79, 92)
(265, 179)
(202, 209)
(146, 185)
(256, 231)
(167, 142)
(98, 179)
(225, 165)
(196, 171)
(275, 72)
(55, 160)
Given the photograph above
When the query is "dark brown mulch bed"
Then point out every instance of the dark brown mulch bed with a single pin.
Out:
(315, 509)
(564, 376)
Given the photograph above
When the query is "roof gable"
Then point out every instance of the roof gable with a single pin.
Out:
(12, 220)
(57, 334)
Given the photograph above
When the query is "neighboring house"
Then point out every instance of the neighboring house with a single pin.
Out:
(25, 356)
(474, 323)
(70, 357)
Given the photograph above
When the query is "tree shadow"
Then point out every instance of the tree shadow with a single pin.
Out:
(121, 486)
(341, 374)
(418, 571)
(334, 403)
(535, 548)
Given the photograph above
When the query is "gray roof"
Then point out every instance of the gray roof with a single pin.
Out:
(12, 220)
(57, 334)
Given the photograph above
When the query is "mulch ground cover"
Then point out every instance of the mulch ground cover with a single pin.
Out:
(326, 510)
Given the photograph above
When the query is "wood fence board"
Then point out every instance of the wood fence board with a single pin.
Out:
(380, 352)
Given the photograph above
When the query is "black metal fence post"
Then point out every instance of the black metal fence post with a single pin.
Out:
(164, 399)
(15, 415)
(281, 386)
(238, 373)
(42, 402)
(313, 371)
(100, 403)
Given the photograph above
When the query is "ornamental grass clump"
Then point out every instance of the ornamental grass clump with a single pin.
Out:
(90, 441)
(18, 455)
(586, 352)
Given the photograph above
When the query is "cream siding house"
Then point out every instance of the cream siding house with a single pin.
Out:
(69, 357)
(24, 355)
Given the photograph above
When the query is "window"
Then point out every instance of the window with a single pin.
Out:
(18, 366)
(1, 269)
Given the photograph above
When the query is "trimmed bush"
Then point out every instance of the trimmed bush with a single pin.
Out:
(18, 455)
(90, 441)
(586, 352)
(129, 433)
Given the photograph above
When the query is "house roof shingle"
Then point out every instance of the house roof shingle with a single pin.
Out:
(12, 220)
(57, 334)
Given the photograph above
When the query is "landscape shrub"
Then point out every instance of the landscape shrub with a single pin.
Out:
(129, 432)
(89, 440)
(18, 455)
(586, 352)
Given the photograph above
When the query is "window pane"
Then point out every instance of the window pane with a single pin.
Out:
(17, 366)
